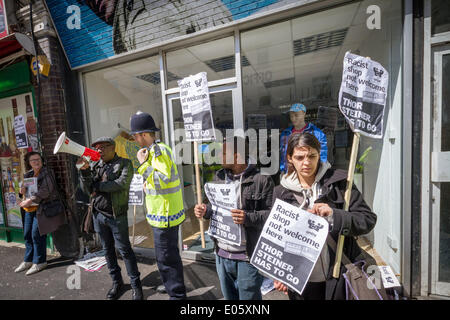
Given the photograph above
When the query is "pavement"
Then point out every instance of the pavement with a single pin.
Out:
(63, 280)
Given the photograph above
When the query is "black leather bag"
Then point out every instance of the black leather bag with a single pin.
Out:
(53, 208)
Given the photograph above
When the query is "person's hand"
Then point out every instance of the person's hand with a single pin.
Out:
(238, 216)
(200, 210)
(142, 155)
(280, 286)
(321, 209)
(82, 161)
(25, 203)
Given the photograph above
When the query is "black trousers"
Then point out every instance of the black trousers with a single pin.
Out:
(312, 291)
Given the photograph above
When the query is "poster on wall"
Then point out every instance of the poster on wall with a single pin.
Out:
(196, 108)
(18, 134)
(363, 93)
(3, 21)
(290, 244)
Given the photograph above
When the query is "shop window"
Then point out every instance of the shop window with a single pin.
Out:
(113, 95)
(216, 58)
(440, 16)
(301, 60)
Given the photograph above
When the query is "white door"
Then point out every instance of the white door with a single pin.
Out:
(440, 173)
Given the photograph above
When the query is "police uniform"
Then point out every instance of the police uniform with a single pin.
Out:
(165, 209)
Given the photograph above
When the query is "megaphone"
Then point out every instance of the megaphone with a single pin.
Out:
(64, 144)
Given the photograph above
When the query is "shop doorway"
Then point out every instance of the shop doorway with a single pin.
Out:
(440, 175)
(222, 105)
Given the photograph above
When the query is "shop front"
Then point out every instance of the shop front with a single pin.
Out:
(258, 63)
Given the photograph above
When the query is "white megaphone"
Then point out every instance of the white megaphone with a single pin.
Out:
(64, 144)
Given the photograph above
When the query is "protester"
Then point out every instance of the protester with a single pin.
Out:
(297, 114)
(108, 182)
(314, 186)
(36, 224)
(164, 201)
(239, 279)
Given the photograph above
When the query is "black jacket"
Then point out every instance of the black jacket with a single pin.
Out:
(256, 195)
(111, 183)
(358, 220)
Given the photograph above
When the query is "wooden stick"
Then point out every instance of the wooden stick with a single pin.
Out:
(134, 223)
(199, 191)
(348, 192)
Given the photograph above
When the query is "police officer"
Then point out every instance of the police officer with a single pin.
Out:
(163, 199)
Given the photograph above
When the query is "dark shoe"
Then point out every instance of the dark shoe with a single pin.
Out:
(137, 294)
(115, 291)
(161, 289)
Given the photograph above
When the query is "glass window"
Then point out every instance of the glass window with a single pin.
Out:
(440, 16)
(301, 60)
(215, 57)
(113, 95)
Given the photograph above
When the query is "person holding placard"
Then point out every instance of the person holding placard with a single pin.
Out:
(313, 186)
(239, 279)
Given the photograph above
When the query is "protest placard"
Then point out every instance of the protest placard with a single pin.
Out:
(20, 132)
(223, 199)
(196, 108)
(362, 96)
(136, 194)
(31, 188)
(290, 244)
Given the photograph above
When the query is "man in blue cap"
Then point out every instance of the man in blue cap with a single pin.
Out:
(297, 114)
(163, 199)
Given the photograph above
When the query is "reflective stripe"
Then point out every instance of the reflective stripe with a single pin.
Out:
(148, 172)
(163, 191)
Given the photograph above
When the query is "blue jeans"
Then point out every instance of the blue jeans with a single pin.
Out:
(114, 234)
(35, 244)
(239, 280)
(169, 261)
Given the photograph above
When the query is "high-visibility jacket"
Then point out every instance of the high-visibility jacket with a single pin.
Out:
(163, 194)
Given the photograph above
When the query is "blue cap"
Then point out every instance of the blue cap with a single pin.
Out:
(296, 107)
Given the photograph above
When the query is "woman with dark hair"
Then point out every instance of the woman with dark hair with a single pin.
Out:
(36, 224)
(315, 187)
